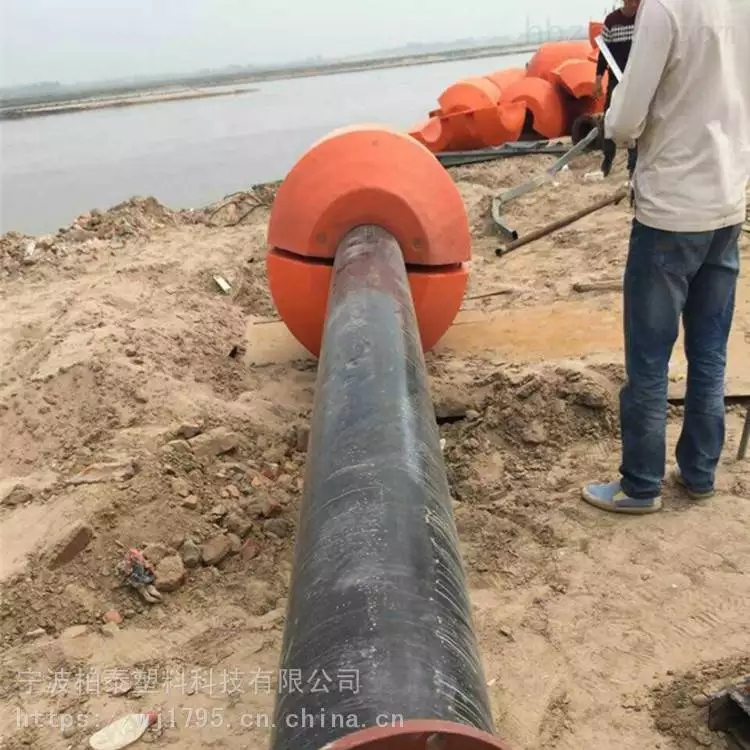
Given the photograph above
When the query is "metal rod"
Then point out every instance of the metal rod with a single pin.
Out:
(378, 628)
(613, 66)
(564, 222)
(742, 451)
(546, 176)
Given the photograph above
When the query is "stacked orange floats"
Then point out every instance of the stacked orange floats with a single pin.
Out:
(542, 101)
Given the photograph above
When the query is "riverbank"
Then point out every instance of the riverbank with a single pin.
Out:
(142, 406)
(86, 98)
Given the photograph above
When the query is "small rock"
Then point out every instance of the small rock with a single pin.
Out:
(73, 543)
(191, 502)
(191, 554)
(215, 550)
(250, 550)
(274, 455)
(472, 414)
(301, 438)
(32, 635)
(233, 491)
(278, 527)
(450, 410)
(117, 471)
(593, 400)
(120, 688)
(189, 430)
(217, 513)
(237, 524)
(69, 730)
(285, 481)
(181, 486)
(170, 573)
(112, 616)
(267, 621)
(701, 700)
(75, 631)
(16, 495)
(235, 542)
(703, 737)
(534, 433)
(155, 552)
(177, 448)
(110, 629)
(663, 724)
(214, 442)
(270, 508)
(79, 235)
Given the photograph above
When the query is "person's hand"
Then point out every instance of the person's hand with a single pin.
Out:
(597, 87)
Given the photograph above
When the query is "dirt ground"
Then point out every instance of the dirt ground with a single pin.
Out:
(140, 407)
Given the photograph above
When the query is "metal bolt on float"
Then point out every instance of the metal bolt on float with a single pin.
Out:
(369, 245)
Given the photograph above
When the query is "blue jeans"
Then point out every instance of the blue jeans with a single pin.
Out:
(670, 275)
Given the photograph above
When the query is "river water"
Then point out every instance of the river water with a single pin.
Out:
(189, 153)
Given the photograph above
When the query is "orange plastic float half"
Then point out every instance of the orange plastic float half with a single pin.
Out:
(473, 93)
(432, 134)
(367, 175)
(544, 101)
(576, 77)
(503, 78)
(472, 129)
(460, 129)
(553, 54)
(506, 124)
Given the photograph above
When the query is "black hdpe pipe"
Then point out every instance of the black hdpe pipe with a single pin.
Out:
(379, 650)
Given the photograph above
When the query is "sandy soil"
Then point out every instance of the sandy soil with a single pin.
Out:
(123, 360)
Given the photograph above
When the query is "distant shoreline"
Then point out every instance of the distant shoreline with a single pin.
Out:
(130, 100)
(148, 95)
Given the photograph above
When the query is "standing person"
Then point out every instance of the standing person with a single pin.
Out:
(685, 97)
(617, 34)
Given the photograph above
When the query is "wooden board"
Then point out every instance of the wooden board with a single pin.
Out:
(589, 331)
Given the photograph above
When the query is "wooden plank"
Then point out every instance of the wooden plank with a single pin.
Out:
(588, 330)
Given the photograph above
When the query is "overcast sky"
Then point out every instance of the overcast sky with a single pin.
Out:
(86, 40)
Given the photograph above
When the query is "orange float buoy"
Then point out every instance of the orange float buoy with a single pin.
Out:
(478, 128)
(473, 93)
(576, 77)
(362, 176)
(505, 123)
(503, 78)
(553, 54)
(432, 134)
(545, 103)
(460, 130)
